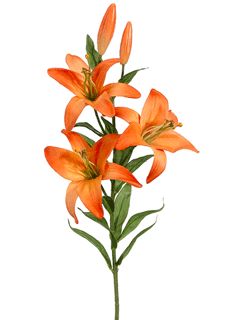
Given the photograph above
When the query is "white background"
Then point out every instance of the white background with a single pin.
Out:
(188, 266)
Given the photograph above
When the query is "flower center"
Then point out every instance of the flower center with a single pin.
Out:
(151, 133)
(91, 171)
(89, 87)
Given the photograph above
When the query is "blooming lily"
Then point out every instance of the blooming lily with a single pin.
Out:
(88, 87)
(106, 29)
(155, 129)
(86, 167)
(126, 44)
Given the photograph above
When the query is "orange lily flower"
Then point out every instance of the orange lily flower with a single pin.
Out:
(106, 29)
(154, 129)
(86, 167)
(126, 44)
(88, 87)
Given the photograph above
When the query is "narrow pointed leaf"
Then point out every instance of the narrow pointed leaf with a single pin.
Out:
(89, 141)
(93, 57)
(109, 128)
(132, 166)
(102, 222)
(135, 220)
(94, 242)
(108, 204)
(127, 78)
(122, 157)
(122, 204)
(89, 127)
(129, 248)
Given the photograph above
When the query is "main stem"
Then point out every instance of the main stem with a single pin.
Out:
(115, 280)
(114, 257)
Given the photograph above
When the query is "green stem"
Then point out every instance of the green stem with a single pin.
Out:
(104, 191)
(99, 122)
(115, 280)
(123, 70)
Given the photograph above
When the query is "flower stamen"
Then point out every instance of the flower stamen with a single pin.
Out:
(151, 133)
(91, 171)
(89, 87)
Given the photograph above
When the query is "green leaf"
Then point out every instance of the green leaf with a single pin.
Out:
(95, 242)
(129, 248)
(109, 128)
(108, 204)
(123, 156)
(122, 204)
(127, 78)
(89, 127)
(93, 57)
(132, 166)
(102, 222)
(135, 220)
(89, 141)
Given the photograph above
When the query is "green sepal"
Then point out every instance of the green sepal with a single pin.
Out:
(89, 127)
(89, 141)
(109, 128)
(94, 242)
(130, 246)
(135, 220)
(102, 222)
(108, 204)
(93, 57)
(132, 166)
(123, 156)
(127, 78)
(121, 208)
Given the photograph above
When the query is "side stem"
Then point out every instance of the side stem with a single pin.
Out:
(99, 122)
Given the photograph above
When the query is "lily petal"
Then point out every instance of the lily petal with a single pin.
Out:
(158, 166)
(121, 90)
(131, 137)
(77, 142)
(90, 193)
(102, 149)
(172, 117)
(127, 114)
(76, 64)
(73, 111)
(172, 141)
(106, 29)
(114, 171)
(154, 110)
(100, 72)
(66, 163)
(71, 198)
(103, 104)
(69, 79)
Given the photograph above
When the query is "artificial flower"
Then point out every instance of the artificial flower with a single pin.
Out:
(88, 87)
(155, 128)
(86, 167)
